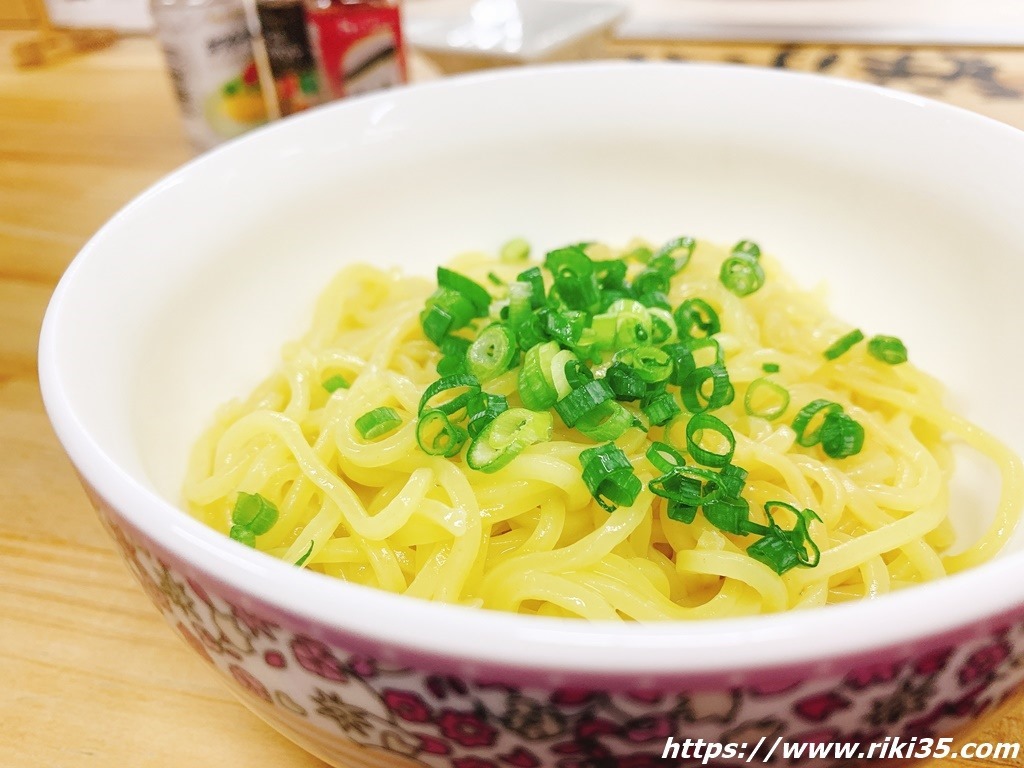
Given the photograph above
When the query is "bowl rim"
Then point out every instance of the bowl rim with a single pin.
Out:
(956, 604)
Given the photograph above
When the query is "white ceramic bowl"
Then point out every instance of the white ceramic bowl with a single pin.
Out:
(912, 211)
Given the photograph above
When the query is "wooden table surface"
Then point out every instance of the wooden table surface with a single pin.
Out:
(91, 676)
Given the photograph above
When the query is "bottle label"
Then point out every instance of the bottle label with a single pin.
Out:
(289, 55)
(210, 55)
(359, 47)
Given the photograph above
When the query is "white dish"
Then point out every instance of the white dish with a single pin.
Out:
(523, 30)
(912, 211)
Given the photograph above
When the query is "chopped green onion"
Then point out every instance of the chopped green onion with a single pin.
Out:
(747, 248)
(684, 356)
(775, 550)
(582, 401)
(655, 299)
(673, 257)
(481, 409)
(451, 365)
(458, 381)
(336, 382)
(651, 280)
(495, 280)
(766, 399)
(664, 457)
(454, 345)
(453, 360)
(242, 535)
(608, 474)
(806, 414)
(534, 278)
(660, 407)
(536, 385)
(576, 373)
(651, 363)
(515, 250)
(696, 399)
(683, 513)
(684, 485)
(437, 436)
(695, 315)
(841, 435)
(612, 275)
(843, 344)
(625, 382)
(305, 555)
(254, 513)
(741, 275)
(564, 327)
(888, 349)
(783, 550)
(731, 479)
(465, 287)
(695, 429)
(560, 367)
(446, 311)
(640, 254)
(770, 367)
(575, 281)
(378, 422)
(663, 325)
(492, 353)
(506, 437)
(626, 323)
(728, 514)
(607, 421)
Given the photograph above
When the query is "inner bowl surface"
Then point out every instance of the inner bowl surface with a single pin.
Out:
(909, 210)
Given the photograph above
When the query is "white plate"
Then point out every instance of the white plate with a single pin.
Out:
(517, 30)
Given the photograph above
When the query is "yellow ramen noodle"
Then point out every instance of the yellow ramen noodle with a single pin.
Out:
(530, 537)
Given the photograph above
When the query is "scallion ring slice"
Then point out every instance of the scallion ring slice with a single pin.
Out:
(378, 422)
(335, 383)
(608, 474)
(625, 382)
(841, 435)
(536, 385)
(582, 401)
(607, 421)
(508, 435)
(466, 287)
(674, 255)
(728, 514)
(696, 429)
(888, 349)
(766, 399)
(843, 344)
(459, 381)
(492, 352)
(253, 512)
(664, 457)
(741, 275)
(697, 319)
(693, 391)
(803, 420)
(437, 436)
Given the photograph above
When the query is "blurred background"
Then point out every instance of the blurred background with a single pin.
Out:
(101, 98)
(234, 64)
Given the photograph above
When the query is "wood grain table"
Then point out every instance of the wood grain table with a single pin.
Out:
(89, 673)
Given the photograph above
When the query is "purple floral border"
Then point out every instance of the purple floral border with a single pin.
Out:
(444, 717)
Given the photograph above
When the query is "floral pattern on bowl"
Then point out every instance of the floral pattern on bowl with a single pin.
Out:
(354, 710)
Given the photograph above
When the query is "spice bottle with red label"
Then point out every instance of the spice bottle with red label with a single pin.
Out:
(210, 54)
(289, 54)
(358, 45)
